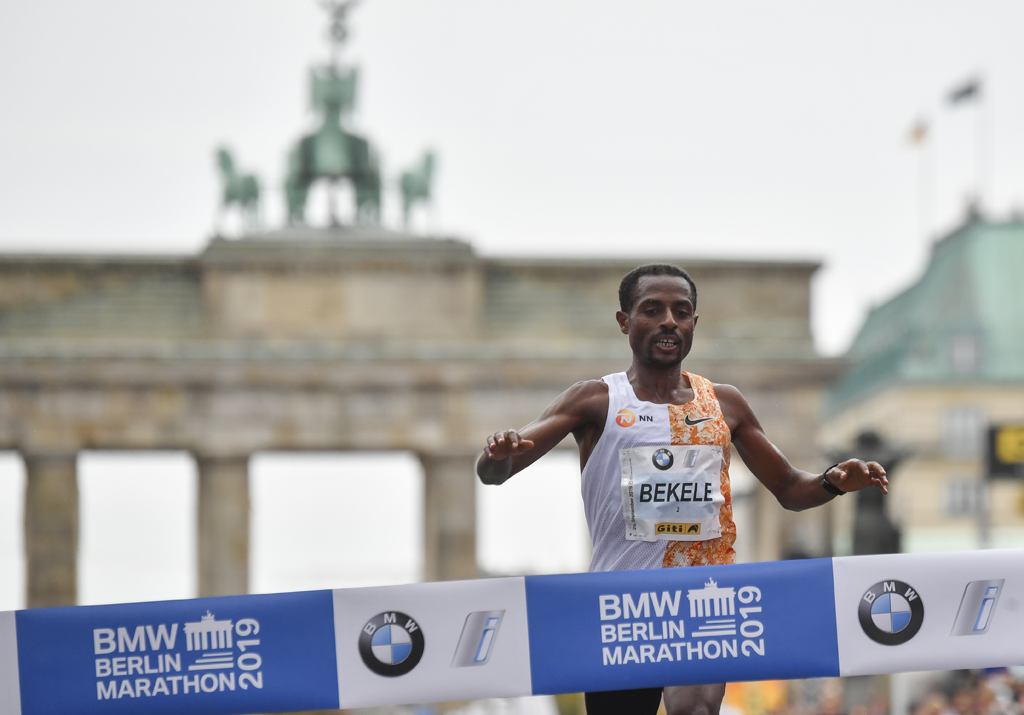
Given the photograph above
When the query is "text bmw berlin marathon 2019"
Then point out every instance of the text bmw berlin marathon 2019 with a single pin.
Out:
(507, 637)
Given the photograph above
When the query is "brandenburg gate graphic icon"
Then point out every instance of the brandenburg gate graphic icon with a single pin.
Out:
(209, 634)
(703, 600)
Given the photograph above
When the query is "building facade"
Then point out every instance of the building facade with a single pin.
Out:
(930, 370)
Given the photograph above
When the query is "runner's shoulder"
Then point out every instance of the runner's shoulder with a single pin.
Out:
(588, 390)
(731, 400)
(729, 392)
(588, 398)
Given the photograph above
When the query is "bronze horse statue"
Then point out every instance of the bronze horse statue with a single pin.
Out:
(415, 184)
(240, 189)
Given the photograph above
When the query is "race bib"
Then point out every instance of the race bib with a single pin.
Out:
(672, 493)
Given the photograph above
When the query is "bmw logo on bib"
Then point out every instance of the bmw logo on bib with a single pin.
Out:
(891, 612)
(663, 459)
(391, 643)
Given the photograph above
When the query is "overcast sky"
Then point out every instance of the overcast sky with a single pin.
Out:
(584, 127)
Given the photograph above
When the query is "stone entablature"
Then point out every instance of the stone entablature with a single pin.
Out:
(288, 286)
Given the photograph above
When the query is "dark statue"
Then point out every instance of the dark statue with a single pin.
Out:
(873, 530)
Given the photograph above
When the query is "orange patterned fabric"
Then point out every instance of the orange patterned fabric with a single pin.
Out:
(714, 431)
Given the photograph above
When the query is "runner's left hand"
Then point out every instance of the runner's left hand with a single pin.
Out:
(505, 444)
(856, 474)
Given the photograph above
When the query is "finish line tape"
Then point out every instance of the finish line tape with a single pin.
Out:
(507, 637)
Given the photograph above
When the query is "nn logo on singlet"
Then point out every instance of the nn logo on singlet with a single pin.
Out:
(626, 418)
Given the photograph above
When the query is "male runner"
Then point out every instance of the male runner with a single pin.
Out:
(636, 415)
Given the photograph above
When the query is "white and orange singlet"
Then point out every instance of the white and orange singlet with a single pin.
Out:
(656, 487)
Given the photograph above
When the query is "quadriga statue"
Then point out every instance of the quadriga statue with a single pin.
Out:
(332, 153)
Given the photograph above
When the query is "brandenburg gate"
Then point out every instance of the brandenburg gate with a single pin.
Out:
(354, 338)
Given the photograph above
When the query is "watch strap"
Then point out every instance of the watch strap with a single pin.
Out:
(829, 486)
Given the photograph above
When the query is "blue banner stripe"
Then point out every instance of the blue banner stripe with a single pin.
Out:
(637, 629)
(234, 654)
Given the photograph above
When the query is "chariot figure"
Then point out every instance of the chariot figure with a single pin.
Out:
(333, 153)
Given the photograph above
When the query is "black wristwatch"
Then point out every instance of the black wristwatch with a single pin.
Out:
(828, 486)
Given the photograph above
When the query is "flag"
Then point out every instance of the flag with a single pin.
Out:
(918, 133)
(968, 91)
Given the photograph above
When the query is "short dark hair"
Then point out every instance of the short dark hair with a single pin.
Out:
(628, 286)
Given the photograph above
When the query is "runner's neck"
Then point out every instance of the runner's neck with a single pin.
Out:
(663, 386)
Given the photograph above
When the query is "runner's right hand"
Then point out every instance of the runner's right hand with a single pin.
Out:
(502, 445)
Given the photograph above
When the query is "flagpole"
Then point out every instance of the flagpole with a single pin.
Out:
(972, 91)
(925, 181)
(981, 150)
(918, 138)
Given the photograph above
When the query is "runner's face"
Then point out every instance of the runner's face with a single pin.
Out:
(660, 325)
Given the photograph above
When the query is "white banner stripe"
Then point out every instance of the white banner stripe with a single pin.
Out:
(10, 689)
(458, 623)
(971, 607)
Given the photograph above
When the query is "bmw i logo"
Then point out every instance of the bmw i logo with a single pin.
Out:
(391, 643)
(891, 612)
(663, 459)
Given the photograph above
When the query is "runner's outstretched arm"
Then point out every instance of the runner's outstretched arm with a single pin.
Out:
(579, 410)
(794, 488)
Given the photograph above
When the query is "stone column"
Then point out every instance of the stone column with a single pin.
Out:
(449, 519)
(223, 525)
(51, 530)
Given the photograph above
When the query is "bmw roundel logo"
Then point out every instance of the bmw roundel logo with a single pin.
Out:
(391, 643)
(663, 459)
(891, 612)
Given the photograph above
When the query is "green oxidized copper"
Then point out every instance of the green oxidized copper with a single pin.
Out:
(332, 152)
(242, 190)
(415, 184)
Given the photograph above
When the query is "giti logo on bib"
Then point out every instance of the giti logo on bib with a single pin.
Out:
(625, 418)
(671, 528)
